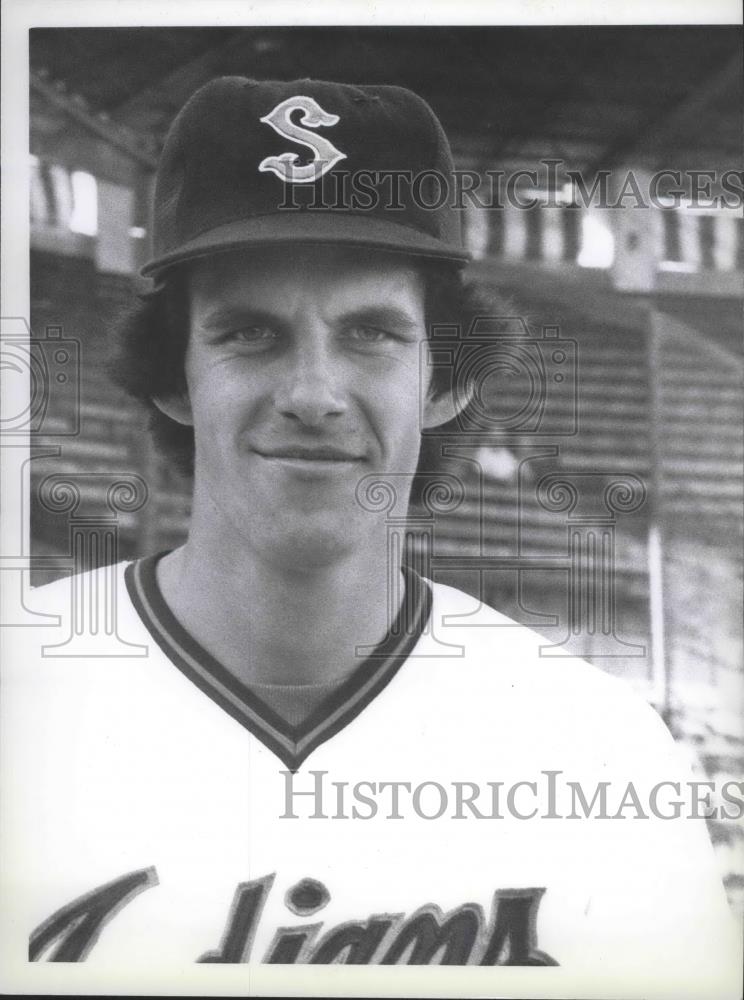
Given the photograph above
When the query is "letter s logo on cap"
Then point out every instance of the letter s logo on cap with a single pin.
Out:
(326, 154)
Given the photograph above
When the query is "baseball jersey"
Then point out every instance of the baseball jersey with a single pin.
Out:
(160, 814)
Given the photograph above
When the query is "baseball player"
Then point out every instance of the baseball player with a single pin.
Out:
(285, 746)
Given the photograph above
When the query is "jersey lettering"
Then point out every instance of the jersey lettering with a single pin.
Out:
(460, 937)
(76, 927)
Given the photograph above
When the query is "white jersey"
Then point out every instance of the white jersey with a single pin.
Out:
(162, 815)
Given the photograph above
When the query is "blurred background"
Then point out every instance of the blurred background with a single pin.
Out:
(621, 393)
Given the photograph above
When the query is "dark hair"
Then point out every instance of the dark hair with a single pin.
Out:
(150, 344)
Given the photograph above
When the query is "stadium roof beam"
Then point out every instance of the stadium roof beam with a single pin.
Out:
(660, 131)
(135, 147)
(166, 94)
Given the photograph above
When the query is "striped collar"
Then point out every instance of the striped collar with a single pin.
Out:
(291, 743)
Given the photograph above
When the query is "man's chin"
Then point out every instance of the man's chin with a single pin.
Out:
(309, 544)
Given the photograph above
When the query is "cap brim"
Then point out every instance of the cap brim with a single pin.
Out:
(309, 227)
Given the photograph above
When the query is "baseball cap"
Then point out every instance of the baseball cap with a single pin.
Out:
(248, 163)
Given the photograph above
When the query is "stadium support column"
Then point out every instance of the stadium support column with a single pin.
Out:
(114, 245)
(662, 678)
(639, 247)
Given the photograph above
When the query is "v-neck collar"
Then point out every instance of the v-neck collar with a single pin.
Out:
(292, 744)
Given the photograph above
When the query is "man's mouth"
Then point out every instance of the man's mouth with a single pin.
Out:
(310, 454)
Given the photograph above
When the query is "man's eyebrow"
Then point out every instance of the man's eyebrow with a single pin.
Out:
(224, 316)
(382, 316)
(388, 317)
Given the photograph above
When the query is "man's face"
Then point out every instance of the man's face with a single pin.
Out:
(303, 376)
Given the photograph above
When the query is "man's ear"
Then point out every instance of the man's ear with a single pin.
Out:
(443, 407)
(177, 407)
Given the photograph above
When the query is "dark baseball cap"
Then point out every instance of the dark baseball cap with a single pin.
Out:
(249, 163)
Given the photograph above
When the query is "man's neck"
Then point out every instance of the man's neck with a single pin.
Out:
(268, 624)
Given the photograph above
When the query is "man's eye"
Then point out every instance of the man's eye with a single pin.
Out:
(254, 334)
(368, 335)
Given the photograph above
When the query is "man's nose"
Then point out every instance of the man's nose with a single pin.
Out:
(310, 390)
